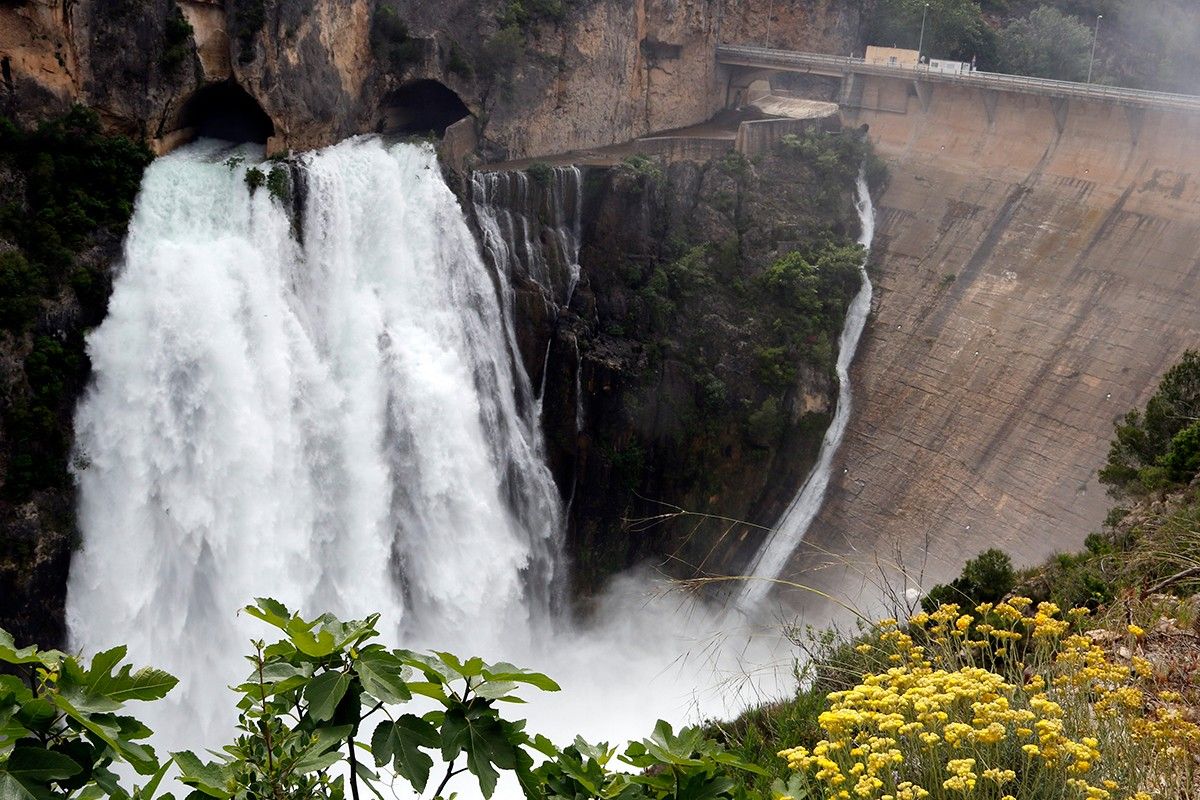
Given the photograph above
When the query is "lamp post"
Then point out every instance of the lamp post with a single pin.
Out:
(921, 42)
(1095, 38)
(770, 11)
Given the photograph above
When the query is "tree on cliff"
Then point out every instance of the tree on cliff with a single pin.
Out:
(1046, 44)
(1157, 446)
(953, 28)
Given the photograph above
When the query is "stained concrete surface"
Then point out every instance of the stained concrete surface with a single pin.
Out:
(1033, 284)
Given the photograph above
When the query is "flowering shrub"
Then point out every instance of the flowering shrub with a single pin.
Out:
(1011, 702)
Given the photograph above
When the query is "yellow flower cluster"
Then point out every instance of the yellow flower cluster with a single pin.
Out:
(952, 712)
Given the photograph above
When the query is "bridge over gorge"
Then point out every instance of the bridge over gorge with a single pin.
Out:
(1037, 263)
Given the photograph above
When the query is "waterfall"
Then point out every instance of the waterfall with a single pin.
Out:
(532, 227)
(335, 423)
(532, 230)
(773, 555)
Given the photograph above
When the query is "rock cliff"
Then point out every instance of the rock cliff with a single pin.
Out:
(692, 369)
(557, 75)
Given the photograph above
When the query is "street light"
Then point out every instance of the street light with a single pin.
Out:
(921, 43)
(770, 11)
(1095, 38)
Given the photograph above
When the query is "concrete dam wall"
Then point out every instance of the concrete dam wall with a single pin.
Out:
(1038, 269)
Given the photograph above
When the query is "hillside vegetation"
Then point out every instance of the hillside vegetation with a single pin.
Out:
(1074, 679)
(1148, 44)
(66, 194)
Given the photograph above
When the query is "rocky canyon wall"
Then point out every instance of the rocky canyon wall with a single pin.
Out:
(1038, 269)
(584, 73)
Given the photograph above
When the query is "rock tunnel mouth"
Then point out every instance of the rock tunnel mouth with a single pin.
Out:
(226, 111)
(420, 108)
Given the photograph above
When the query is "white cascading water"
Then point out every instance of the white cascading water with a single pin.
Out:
(533, 229)
(340, 422)
(772, 557)
(334, 423)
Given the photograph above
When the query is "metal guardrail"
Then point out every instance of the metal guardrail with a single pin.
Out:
(748, 56)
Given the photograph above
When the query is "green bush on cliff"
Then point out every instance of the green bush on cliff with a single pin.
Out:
(541, 173)
(1182, 459)
(1145, 440)
(524, 13)
(985, 579)
(391, 42)
(808, 291)
(645, 169)
(248, 18)
(501, 52)
(68, 187)
(176, 39)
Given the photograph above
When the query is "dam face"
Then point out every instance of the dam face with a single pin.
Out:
(1038, 269)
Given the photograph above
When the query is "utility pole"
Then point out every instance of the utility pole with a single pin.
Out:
(770, 12)
(1095, 38)
(921, 43)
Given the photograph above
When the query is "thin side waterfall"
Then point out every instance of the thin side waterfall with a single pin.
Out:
(533, 227)
(773, 555)
(532, 230)
(335, 423)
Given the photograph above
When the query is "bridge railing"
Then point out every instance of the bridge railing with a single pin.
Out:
(745, 55)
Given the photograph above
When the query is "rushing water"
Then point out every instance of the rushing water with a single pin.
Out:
(339, 420)
(774, 553)
(333, 423)
(533, 229)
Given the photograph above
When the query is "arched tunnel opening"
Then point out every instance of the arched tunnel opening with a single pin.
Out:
(419, 108)
(226, 111)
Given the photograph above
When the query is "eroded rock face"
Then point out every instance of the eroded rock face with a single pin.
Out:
(607, 71)
(654, 390)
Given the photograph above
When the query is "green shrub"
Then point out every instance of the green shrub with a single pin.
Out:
(628, 466)
(776, 367)
(689, 273)
(255, 179)
(987, 578)
(644, 168)
(457, 63)
(541, 173)
(391, 42)
(1182, 459)
(248, 18)
(177, 38)
(21, 288)
(1046, 44)
(279, 183)
(74, 186)
(1143, 438)
(766, 423)
(524, 13)
(502, 51)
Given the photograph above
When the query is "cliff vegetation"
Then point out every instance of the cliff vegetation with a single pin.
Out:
(1071, 679)
(708, 322)
(1144, 44)
(66, 196)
